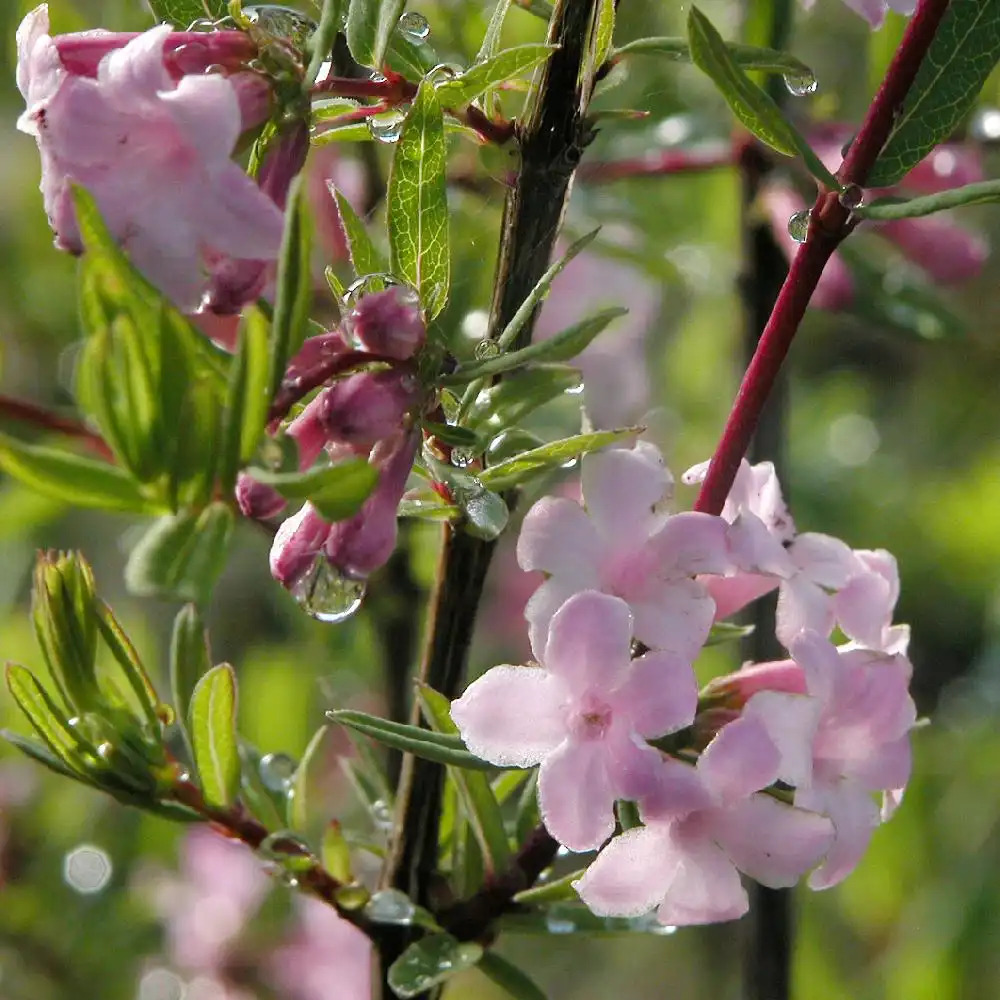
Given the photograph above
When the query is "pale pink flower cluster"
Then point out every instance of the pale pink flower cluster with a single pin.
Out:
(771, 771)
(874, 11)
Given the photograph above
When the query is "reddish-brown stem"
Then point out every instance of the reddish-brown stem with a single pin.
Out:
(658, 164)
(37, 416)
(830, 224)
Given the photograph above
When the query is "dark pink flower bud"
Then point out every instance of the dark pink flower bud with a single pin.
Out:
(298, 541)
(388, 323)
(946, 251)
(255, 96)
(361, 409)
(309, 432)
(256, 500)
(361, 544)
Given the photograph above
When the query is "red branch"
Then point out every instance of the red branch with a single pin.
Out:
(661, 163)
(829, 225)
(38, 416)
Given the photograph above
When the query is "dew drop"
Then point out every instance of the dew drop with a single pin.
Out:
(282, 22)
(277, 771)
(415, 25)
(559, 925)
(382, 814)
(462, 458)
(798, 225)
(851, 196)
(327, 594)
(387, 126)
(575, 390)
(985, 125)
(390, 906)
(443, 73)
(801, 84)
(487, 349)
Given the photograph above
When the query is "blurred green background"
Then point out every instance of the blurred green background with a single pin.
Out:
(894, 441)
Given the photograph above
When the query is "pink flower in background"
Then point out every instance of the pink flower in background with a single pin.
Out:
(874, 11)
(155, 153)
(622, 544)
(705, 827)
(327, 959)
(584, 718)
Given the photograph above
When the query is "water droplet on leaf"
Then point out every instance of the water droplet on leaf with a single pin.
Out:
(327, 594)
(798, 225)
(462, 458)
(415, 25)
(382, 814)
(443, 73)
(801, 84)
(276, 771)
(556, 924)
(386, 126)
(390, 906)
(283, 23)
(487, 349)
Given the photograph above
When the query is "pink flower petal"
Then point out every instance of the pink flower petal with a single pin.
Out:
(541, 606)
(741, 759)
(705, 889)
(823, 559)
(888, 769)
(589, 642)
(678, 619)
(575, 795)
(137, 72)
(679, 792)
(854, 817)
(632, 874)
(753, 547)
(206, 112)
(557, 536)
(621, 488)
(732, 593)
(659, 694)
(802, 605)
(634, 767)
(864, 609)
(772, 842)
(820, 664)
(790, 721)
(512, 716)
(691, 543)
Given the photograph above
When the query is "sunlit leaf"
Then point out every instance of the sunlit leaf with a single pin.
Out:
(212, 725)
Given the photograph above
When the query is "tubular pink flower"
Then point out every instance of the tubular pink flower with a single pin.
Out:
(585, 717)
(298, 542)
(155, 153)
(361, 409)
(388, 323)
(622, 544)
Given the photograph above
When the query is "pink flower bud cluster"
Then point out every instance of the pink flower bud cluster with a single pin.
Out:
(148, 124)
(771, 771)
(366, 413)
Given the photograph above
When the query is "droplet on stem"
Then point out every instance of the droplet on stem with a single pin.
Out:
(415, 25)
(386, 126)
(327, 594)
(798, 225)
(851, 196)
(801, 84)
(390, 906)
(487, 349)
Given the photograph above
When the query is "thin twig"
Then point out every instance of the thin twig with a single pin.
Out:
(37, 416)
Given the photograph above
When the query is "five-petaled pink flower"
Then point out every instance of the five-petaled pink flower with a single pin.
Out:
(585, 717)
(623, 544)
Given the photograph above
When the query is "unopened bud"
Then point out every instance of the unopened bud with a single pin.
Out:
(388, 323)
(257, 500)
(362, 409)
(296, 545)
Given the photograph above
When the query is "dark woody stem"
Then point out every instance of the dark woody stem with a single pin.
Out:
(830, 224)
(551, 141)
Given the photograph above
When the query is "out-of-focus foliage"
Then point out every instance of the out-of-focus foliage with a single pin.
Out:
(894, 442)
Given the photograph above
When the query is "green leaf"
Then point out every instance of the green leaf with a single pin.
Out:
(751, 105)
(481, 806)
(181, 555)
(489, 48)
(748, 57)
(513, 980)
(365, 256)
(293, 288)
(515, 471)
(885, 209)
(40, 753)
(370, 24)
(507, 403)
(85, 482)
(336, 491)
(190, 660)
(604, 29)
(297, 800)
(182, 13)
(410, 57)
(430, 961)
(722, 632)
(212, 725)
(321, 43)
(960, 58)
(417, 200)
(564, 345)
(481, 77)
(136, 677)
(443, 748)
(556, 891)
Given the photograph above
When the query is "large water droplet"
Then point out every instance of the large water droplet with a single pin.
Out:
(276, 771)
(487, 349)
(798, 225)
(413, 24)
(352, 897)
(801, 84)
(281, 22)
(851, 196)
(443, 73)
(390, 906)
(382, 814)
(462, 458)
(327, 594)
(386, 126)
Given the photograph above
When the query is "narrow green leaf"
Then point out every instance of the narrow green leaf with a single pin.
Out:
(190, 660)
(481, 806)
(961, 57)
(365, 256)
(297, 801)
(885, 209)
(556, 891)
(85, 482)
(293, 288)
(40, 753)
(321, 43)
(212, 725)
(513, 980)
(138, 681)
(498, 69)
(418, 203)
(491, 40)
(409, 56)
(336, 491)
(181, 555)
(335, 853)
(370, 24)
(515, 471)
(604, 29)
(443, 748)
(507, 403)
(430, 961)
(183, 13)
(748, 57)
(751, 105)
(564, 345)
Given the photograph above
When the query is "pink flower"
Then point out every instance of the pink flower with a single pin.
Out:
(153, 150)
(388, 323)
(584, 717)
(705, 827)
(862, 712)
(874, 11)
(622, 544)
